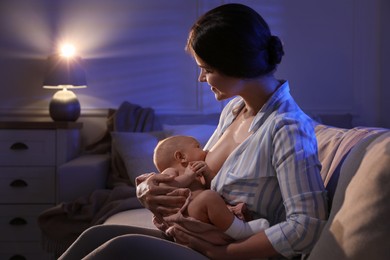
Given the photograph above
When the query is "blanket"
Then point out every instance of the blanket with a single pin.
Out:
(62, 224)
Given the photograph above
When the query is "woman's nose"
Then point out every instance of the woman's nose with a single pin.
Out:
(202, 76)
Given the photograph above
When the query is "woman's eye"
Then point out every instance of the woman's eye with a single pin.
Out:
(206, 70)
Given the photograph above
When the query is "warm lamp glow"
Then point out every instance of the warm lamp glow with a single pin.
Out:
(67, 50)
(64, 73)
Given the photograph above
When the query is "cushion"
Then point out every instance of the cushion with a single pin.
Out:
(136, 151)
(334, 144)
(328, 141)
(201, 132)
(358, 224)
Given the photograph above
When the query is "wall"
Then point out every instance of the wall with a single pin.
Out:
(336, 59)
(132, 50)
(384, 53)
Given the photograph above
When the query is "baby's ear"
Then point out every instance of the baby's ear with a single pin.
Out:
(180, 157)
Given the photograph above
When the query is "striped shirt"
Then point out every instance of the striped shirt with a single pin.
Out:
(276, 172)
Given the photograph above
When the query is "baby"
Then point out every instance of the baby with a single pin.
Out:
(182, 157)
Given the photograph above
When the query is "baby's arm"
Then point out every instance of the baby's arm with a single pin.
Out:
(200, 167)
(180, 181)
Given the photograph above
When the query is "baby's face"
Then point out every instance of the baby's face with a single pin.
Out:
(194, 151)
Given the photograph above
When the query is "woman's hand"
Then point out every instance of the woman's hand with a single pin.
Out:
(156, 198)
(255, 247)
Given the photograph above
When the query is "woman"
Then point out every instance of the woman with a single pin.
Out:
(264, 150)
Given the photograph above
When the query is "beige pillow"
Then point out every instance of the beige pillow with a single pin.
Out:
(360, 229)
(334, 143)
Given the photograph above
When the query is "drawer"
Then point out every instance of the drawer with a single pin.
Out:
(27, 147)
(21, 251)
(27, 185)
(18, 223)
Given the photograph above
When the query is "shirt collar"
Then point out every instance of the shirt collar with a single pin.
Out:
(281, 94)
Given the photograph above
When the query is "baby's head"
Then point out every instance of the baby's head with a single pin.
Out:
(177, 150)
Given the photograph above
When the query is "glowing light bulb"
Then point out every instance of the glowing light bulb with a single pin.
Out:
(67, 50)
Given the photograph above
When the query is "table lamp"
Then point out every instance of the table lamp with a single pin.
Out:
(64, 72)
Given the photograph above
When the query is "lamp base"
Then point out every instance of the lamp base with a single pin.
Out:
(64, 106)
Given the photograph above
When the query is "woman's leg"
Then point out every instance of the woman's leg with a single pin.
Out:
(142, 247)
(95, 236)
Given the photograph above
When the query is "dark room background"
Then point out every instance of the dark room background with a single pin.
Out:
(337, 59)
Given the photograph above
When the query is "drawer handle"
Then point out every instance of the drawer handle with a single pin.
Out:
(19, 146)
(17, 257)
(18, 183)
(18, 222)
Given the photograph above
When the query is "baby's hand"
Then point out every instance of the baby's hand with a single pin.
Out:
(199, 167)
(190, 172)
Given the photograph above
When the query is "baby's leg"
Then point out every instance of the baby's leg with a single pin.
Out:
(240, 229)
(209, 207)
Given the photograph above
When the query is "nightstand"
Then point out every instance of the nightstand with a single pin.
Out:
(30, 154)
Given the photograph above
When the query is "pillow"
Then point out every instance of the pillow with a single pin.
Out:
(136, 151)
(201, 132)
(132, 152)
(358, 223)
(333, 146)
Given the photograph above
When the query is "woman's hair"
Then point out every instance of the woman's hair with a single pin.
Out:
(236, 41)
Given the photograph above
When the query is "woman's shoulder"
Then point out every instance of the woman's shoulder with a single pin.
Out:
(294, 123)
(296, 118)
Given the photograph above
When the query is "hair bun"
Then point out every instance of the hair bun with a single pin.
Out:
(275, 50)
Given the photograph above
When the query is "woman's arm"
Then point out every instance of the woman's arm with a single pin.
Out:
(156, 197)
(304, 197)
(256, 246)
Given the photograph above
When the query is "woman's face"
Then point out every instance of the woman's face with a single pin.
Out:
(222, 86)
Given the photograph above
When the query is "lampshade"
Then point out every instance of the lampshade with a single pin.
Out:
(64, 73)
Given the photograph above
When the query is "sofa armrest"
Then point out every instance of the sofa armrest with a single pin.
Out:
(81, 176)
